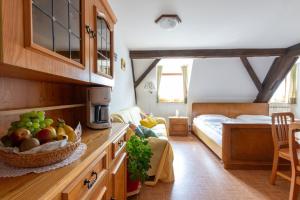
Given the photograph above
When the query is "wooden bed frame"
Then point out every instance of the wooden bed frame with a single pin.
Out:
(244, 146)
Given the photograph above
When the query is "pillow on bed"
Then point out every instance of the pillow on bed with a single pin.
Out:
(213, 118)
(254, 118)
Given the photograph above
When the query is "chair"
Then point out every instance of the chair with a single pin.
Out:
(294, 147)
(280, 131)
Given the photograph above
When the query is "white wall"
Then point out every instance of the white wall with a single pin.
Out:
(296, 107)
(123, 92)
(212, 80)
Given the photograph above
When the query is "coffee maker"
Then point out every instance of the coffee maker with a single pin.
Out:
(98, 99)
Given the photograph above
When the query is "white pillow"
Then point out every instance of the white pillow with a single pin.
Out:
(213, 118)
(254, 118)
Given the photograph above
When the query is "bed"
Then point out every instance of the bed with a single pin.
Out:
(239, 144)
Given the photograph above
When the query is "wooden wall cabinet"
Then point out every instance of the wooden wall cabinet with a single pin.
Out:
(56, 40)
(102, 22)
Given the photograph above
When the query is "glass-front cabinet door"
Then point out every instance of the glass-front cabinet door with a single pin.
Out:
(56, 29)
(103, 43)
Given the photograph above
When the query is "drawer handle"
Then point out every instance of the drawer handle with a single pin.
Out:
(120, 143)
(90, 183)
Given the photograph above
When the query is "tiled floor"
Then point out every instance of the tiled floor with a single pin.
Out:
(200, 175)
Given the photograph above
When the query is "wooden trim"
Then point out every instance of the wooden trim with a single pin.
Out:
(206, 53)
(1, 31)
(133, 80)
(141, 78)
(109, 11)
(24, 110)
(251, 73)
(277, 72)
(28, 37)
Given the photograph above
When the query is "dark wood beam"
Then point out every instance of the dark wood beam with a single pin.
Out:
(133, 80)
(207, 53)
(251, 73)
(294, 50)
(146, 72)
(277, 72)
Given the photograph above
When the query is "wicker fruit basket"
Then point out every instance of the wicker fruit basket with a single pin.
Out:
(38, 159)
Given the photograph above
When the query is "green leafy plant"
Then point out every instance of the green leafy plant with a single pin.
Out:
(139, 155)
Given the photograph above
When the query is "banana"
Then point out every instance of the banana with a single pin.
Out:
(70, 133)
(61, 133)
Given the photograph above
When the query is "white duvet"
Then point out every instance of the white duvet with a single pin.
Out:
(211, 125)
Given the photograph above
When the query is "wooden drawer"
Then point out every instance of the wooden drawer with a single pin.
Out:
(178, 121)
(91, 183)
(118, 145)
(179, 128)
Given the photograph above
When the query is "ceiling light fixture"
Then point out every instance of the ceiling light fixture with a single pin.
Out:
(168, 22)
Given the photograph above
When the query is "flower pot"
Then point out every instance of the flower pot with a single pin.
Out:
(133, 186)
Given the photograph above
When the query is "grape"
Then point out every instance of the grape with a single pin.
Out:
(25, 120)
(43, 125)
(29, 124)
(36, 120)
(48, 121)
(20, 124)
(41, 114)
(35, 125)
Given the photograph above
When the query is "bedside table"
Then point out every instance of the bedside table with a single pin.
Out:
(178, 126)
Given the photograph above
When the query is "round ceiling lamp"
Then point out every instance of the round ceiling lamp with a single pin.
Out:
(168, 22)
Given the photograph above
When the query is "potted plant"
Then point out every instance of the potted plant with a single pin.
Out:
(139, 155)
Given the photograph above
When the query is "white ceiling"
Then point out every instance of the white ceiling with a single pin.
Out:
(209, 23)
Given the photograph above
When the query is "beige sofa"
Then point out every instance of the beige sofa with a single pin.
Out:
(162, 159)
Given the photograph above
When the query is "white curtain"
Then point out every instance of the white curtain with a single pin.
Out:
(185, 81)
(159, 72)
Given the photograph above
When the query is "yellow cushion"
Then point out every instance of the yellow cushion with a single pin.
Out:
(148, 122)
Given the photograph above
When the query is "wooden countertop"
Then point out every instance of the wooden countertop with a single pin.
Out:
(47, 185)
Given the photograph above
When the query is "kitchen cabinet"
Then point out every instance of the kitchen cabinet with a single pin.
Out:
(57, 40)
(96, 175)
(102, 22)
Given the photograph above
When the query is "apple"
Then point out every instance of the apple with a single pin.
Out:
(29, 144)
(19, 135)
(46, 135)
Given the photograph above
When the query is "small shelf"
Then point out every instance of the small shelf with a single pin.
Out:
(24, 110)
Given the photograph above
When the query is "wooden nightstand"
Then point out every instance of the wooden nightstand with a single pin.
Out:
(178, 126)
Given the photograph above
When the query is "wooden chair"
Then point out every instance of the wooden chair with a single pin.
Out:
(280, 131)
(294, 152)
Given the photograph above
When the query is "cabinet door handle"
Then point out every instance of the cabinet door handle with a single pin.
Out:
(120, 143)
(88, 29)
(90, 183)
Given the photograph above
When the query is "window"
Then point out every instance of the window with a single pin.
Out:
(286, 92)
(172, 78)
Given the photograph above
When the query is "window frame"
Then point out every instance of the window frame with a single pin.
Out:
(163, 100)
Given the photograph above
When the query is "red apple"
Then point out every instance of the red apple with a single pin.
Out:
(19, 135)
(46, 135)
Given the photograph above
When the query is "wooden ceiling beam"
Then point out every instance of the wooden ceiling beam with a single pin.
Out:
(146, 72)
(294, 50)
(277, 72)
(251, 73)
(206, 53)
(133, 80)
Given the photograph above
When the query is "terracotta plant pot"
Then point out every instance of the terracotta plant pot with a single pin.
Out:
(133, 187)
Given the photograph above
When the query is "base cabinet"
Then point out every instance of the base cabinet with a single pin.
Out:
(118, 175)
(105, 178)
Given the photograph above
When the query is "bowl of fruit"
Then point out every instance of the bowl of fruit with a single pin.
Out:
(36, 141)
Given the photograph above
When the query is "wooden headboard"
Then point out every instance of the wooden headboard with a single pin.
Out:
(231, 110)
